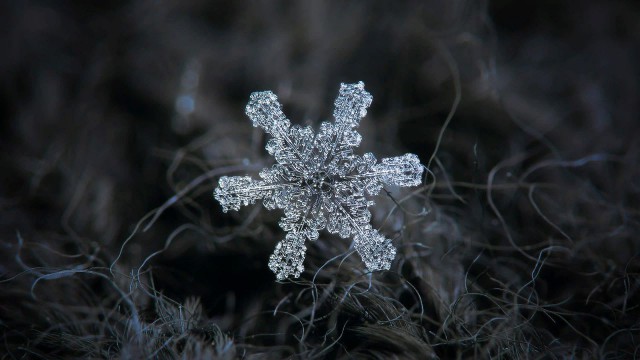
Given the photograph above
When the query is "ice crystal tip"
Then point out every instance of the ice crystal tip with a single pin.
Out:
(351, 104)
(319, 181)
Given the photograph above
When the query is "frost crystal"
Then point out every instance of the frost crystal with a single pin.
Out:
(318, 181)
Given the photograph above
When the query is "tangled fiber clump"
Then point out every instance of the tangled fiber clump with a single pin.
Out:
(120, 117)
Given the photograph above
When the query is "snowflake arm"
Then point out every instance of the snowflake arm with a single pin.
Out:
(338, 140)
(265, 111)
(351, 104)
(235, 191)
(288, 257)
(376, 251)
(290, 144)
(403, 171)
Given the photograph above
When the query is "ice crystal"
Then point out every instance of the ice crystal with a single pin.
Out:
(318, 180)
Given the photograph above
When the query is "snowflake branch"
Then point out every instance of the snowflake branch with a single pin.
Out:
(235, 191)
(405, 170)
(265, 111)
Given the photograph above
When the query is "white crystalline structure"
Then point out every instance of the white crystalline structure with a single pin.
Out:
(318, 180)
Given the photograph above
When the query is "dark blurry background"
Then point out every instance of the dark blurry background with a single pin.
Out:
(524, 246)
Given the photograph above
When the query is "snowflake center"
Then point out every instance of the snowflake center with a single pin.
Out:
(320, 182)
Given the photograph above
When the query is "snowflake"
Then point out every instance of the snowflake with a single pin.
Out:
(318, 181)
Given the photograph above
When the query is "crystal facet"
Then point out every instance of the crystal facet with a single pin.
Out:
(318, 181)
